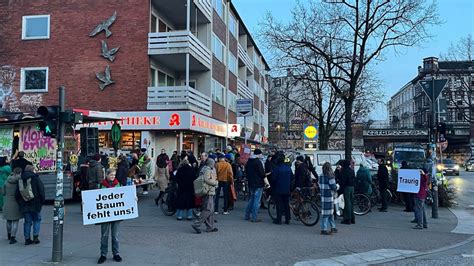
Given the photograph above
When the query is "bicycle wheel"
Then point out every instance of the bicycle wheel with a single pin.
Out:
(272, 209)
(361, 204)
(308, 212)
(389, 196)
(167, 205)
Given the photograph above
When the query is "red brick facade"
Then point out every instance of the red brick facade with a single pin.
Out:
(218, 111)
(73, 57)
(232, 83)
(218, 27)
(218, 70)
(233, 48)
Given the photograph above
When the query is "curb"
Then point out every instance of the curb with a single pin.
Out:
(420, 254)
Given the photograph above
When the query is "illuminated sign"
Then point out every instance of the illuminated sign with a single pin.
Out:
(234, 130)
(310, 132)
(395, 132)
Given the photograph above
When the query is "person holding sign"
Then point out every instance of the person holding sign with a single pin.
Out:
(113, 227)
(420, 197)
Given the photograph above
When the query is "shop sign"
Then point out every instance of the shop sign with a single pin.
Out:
(39, 150)
(310, 132)
(233, 130)
(207, 125)
(395, 132)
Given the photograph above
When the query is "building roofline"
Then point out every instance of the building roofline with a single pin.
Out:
(232, 7)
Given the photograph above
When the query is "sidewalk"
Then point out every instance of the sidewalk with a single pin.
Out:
(157, 239)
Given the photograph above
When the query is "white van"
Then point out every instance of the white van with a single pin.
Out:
(320, 157)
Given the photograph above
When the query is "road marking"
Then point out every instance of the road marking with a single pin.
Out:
(468, 255)
(359, 258)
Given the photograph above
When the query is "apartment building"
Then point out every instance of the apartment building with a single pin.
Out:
(171, 69)
(401, 107)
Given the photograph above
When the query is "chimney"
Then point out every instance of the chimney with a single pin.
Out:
(430, 65)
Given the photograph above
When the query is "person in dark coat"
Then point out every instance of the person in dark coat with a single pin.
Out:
(122, 170)
(311, 168)
(255, 177)
(302, 174)
(175, 160)
(31, 209)
(185, 199)
(282, 176)
(21, 161)
(409, 198)
(83, 168)
(382, 178)
(95, 173)
(11, 209)
(347, 177)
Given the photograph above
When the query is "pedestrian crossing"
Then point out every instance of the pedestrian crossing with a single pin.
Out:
(363, 258)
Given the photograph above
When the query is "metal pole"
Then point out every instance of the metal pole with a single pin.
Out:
(434, 180)
(58, 219)
(245, 130)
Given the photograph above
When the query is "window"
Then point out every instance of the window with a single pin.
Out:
(218, 92)
(218, 48)
(153, 23)
(233, 25)
(232, 101)
(219, 7)
(152, 77)
(162, 78)
(34, 79)
(232, 64)
(35, 27)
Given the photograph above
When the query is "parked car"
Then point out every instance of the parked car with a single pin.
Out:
(449, 166)
(469, 165)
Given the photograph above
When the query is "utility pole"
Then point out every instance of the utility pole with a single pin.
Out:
(434, 179)
(58, 219)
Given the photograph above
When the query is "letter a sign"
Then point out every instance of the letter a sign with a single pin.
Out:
(233, 130)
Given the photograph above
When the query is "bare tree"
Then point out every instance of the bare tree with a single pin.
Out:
(348, 36)
(463, 50)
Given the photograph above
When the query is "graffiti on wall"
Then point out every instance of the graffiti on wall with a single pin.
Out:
(9, 101)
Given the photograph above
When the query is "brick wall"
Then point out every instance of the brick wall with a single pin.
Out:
(233, 48)
(232, 83)
(232, 117)
(218, 70)
(73, 57)
(218, 112)
(218, 26)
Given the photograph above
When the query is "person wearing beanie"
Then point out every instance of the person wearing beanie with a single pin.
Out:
(95, 173)
(225, 178)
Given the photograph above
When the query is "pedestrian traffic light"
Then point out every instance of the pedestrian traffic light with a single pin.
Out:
(49, 125)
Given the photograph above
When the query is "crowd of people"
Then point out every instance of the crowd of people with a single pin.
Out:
(213, 173)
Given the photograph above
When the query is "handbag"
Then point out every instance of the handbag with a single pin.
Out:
(233, 193)
(340, 201)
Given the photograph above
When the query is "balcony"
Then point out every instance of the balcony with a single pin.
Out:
(243, 55)
(172, 48)
(205, 7)
(243, 90)
(175, 10)
(178, 98)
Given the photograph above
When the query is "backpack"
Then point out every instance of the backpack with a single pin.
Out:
(200, 188)
(26, 191)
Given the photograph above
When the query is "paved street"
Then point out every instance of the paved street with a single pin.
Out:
(156, 239)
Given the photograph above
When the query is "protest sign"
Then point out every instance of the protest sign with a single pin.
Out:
(408, 180)
(39, 150)
(110, 204)
(6, 141)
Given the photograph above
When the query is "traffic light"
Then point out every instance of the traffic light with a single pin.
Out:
(49, 125)
(441, 127)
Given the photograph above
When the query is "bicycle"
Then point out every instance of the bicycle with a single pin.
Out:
(303, 210)
(242, 189)
(167, 202)
(361, 204)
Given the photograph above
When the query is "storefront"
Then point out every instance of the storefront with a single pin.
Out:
(169, 130)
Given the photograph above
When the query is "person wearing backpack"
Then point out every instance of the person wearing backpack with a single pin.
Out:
(205, 186)
(363, 181)
(30, 197)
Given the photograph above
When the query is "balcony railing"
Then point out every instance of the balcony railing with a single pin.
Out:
(178, 98)
(205, 7)
(244, 90)
(245, 58)
(179, 42)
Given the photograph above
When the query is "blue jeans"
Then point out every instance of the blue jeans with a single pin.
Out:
(326, 221)
(188, 213)
(104, 240)
(31, 218)
(254, 203)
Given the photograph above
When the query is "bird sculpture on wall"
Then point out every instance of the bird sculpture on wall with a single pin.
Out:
(104, 26)
(109, 54)
(105, 78)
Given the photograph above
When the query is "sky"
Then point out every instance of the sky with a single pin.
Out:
(398, 68)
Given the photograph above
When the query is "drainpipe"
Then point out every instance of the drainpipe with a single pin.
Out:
(226, 60)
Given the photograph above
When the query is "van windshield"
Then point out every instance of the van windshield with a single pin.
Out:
(409, 156)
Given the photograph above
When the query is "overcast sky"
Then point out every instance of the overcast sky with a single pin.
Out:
(397, 69)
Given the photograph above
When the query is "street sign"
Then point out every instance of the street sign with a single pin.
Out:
(427, 86)
(244, 107)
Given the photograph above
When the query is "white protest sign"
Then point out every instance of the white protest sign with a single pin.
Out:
(109, 204)
(408, 180)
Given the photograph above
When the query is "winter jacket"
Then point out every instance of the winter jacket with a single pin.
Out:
(327, 186)
(185, 176)
(224, 172)
(37, 187)
(122, 172)
(347, 177)
(11, 209)
(162, 173)
(255, 173)
(5, 172)
(364, 181)
(282, 177)
(210, 179)
(95, 174)
(109, 184)
(162, 160)
(302, 176)
(422, 193)
(382, 177)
